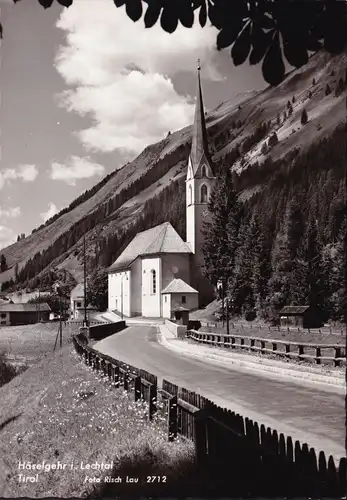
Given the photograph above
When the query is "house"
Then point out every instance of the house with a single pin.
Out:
(23, 314)
(77, 300)
(77, 304)
(301, 316)
(177, 297)
(158, 260)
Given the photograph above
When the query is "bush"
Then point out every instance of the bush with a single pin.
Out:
(7, 371)
(250, 315)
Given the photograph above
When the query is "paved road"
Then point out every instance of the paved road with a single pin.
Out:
(308, 413)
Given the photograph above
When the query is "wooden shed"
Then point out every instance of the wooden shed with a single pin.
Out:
(301, 316)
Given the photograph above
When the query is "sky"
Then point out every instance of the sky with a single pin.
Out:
(84, 90)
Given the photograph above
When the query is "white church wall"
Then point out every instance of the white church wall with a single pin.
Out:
(136, 285)
(119, 286)
(179, 261)
(166, 305)
(151, 302)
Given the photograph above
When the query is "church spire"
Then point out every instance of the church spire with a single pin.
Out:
(199, 133)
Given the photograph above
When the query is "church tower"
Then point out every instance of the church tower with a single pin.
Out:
(200, 180)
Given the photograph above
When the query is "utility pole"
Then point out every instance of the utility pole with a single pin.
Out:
(85, 322)
(39, 304)
(60, 323)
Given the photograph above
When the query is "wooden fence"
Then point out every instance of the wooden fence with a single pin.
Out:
(317, 353)
(235, 456)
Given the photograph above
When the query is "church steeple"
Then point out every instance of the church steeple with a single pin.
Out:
(200, 181)
(199, 132)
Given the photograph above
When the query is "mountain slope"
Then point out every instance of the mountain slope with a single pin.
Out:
(234, 138)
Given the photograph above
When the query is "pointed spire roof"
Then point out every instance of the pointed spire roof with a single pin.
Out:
(199, 132)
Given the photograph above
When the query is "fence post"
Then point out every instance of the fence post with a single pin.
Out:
(172, 418)
(318, 355)
(137, 388)
(116, 376)
(125, 381)
(152, 399)
(337, 361)
(200, 429)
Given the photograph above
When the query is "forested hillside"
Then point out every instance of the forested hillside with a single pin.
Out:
(284, 245)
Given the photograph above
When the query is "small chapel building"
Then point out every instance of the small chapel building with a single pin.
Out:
(158, 272)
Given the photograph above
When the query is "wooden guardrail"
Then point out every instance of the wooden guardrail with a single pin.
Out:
(235, 456)
(284, 348)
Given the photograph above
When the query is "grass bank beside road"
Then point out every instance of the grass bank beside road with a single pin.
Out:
(29, 343)
(61, 412)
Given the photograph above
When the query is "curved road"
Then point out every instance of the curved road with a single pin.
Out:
(309, 413)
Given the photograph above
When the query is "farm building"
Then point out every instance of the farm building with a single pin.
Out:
(23, 314)
(301, 316)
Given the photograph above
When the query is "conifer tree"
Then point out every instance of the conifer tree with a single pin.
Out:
(311, 281)
(304, 117)
(3, 263)
(337, 276)
(261, 268)
(240, 283)
(221, 229)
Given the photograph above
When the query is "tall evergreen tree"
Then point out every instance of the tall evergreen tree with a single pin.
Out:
(337, 276)
(221, 229)
(3, 263)
(304, 117)
(311, 281)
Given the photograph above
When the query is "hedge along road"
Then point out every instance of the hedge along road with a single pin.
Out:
(310, 413)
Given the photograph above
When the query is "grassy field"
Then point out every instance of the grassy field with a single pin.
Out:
(28, 343)
(60, 411)
(264, 332)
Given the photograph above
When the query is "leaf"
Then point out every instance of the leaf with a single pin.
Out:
(267, 22)
(260, 43)
(242, 46)
(65, 3)
(46, 3)
(152, 14)
(203, 15)
(312, 44)
(119, 3)
(186, 14)
(335, 30)
(228, 35)
(295, 51)
(169, 19)
(273, 66)
(133, 9)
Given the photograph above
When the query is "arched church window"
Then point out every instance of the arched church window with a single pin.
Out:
(153, 282)
(203, 194)
(190, 195)
(203, 171)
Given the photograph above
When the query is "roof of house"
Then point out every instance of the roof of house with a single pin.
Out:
(78, 291)
(25, 307)
(179, 286)
(159, 239)
(294, 309)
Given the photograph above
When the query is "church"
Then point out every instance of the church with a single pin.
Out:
(159, 273)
